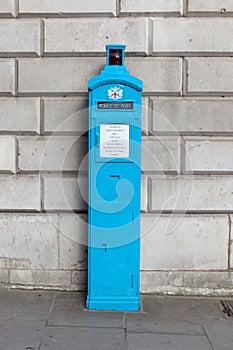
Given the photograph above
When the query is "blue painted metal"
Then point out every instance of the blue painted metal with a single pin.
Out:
(114, 191)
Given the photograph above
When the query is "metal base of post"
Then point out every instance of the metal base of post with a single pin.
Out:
(113, 304)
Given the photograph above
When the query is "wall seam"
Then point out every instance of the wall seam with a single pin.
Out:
(184, 77)
(229, 244)
(16, 78)
(42, 37)
(16, 155)
(150, 36)
(41, 116)
(16, 8)
(185, 8)
(118, 8)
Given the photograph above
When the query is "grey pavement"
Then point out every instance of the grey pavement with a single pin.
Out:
(49, 320)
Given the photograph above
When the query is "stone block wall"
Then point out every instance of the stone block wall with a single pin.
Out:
(182, 50)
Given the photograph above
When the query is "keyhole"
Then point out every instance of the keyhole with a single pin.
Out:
(115, 176)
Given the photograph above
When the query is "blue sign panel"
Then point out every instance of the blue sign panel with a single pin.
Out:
(114, 182)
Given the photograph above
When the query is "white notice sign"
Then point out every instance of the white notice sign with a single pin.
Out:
(114, 140)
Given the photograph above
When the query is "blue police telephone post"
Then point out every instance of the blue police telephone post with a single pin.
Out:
(114, 186)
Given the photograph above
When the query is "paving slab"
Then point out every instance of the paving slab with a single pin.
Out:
(167, 342)
(196, 310)
(60, 321)
(147, 323)
(69, 310)
(20, 334)
(25, 304)
(220, 334)
(63, 338)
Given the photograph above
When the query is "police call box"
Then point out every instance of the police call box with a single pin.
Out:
(114, 181)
